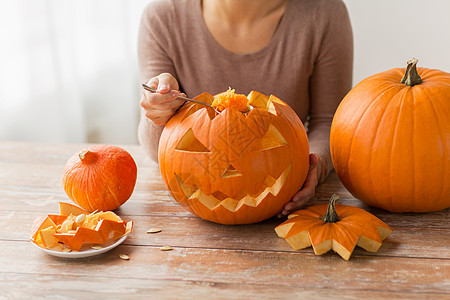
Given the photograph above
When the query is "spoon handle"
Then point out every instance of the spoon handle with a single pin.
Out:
(146, 87)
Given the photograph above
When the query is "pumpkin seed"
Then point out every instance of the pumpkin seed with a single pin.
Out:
(154, 230)
(166, 248)
(97, 247)
(124, 256)
(80, 218)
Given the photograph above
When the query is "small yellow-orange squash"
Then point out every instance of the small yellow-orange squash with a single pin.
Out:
(101, 177)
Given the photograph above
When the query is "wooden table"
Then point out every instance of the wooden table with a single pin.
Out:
(209, 260)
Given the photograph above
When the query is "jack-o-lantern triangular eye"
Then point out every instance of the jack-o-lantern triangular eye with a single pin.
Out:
(190, 143)
(272, 139)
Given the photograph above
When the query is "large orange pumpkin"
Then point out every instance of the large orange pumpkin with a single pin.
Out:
(101, 177)
(390, 140)
(233, 167)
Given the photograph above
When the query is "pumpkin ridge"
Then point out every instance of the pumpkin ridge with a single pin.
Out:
(355, 128)
(442, 134)
(394, 139)
(355, 225)
(300, 225)
(349, 212)
(96, 198)
(104, 175)
(77, 188)
(319, 210)
(376, 136)
(320, 231)
(310, 212)
(347, 236)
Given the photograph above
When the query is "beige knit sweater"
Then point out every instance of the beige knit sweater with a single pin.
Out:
(307, 63)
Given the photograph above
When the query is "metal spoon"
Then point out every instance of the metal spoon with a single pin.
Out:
(146, 87)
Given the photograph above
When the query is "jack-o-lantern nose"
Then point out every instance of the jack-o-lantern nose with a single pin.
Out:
(230, 171)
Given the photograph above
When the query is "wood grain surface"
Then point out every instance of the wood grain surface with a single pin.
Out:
(208, 260)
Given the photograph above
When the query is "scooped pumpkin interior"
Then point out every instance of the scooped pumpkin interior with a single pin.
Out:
(231, 100)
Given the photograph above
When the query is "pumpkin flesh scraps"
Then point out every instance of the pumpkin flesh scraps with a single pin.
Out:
(72, 231)
(355, 227)
(230, 99)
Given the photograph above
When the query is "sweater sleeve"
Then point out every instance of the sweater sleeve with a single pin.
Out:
(154, 42)
(331, 78)
(153, 59)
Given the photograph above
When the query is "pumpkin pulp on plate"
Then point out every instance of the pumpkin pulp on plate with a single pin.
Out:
(74, 227)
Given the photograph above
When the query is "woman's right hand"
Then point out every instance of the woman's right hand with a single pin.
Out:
(160, 106)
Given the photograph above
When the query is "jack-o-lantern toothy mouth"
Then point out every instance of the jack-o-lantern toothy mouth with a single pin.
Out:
(211, 202)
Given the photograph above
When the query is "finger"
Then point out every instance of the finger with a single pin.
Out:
(313, 160)
(152, 99)
(155, 114)
(170, 105)
(284, 213)
(311, 179)
(166, 83)
(309, 187)
(167, 105)
(153, 82)
(292, 206)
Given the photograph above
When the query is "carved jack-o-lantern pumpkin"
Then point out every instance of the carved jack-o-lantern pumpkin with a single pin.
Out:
(233, 167)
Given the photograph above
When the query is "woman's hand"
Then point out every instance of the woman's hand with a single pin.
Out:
(160, 106)
(308, 190)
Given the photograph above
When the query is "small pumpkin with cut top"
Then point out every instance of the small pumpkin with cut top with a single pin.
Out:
(238, 166)
(335, 227)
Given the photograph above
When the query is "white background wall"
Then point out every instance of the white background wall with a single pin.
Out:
(387, 33)
(68, 69)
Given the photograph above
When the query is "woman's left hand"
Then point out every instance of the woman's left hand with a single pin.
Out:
(308, 190)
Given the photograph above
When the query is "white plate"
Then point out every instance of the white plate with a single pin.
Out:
(85, 251)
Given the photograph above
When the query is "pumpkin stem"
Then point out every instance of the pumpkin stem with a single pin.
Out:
(411, 77)
(331, 216)
(87, 157)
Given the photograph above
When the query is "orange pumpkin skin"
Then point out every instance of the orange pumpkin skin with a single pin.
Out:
(390, 142)
(333, 226)
(234, 168)
(101, 177)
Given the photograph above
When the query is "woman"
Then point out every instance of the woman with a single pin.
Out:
(298, 50)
